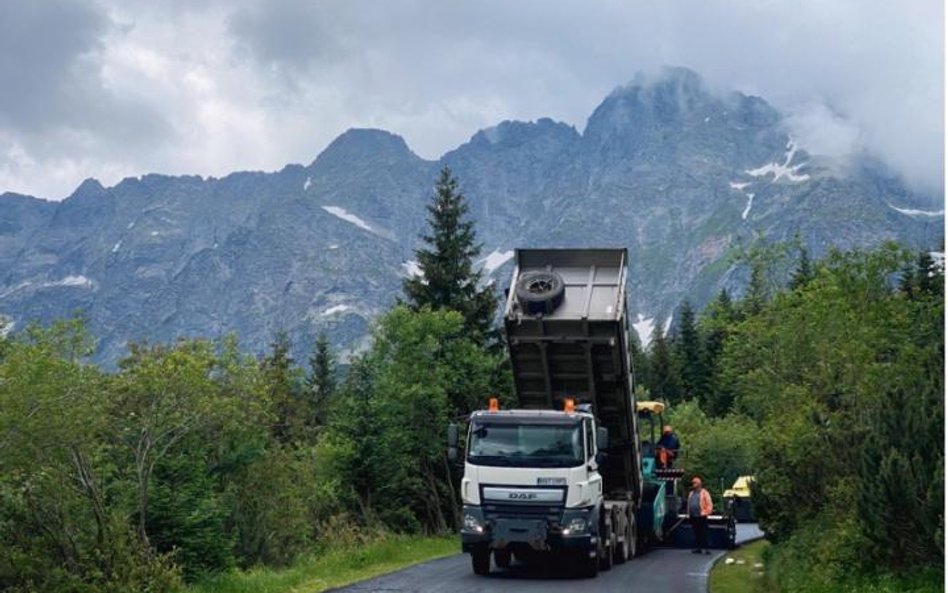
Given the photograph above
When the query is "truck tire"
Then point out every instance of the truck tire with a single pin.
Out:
(608, 553)
(626, 548)
(540, 291)
(480, 562)
(607, 539)
(502, 558)
(634, 538)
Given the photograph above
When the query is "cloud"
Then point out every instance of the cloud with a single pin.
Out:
(46, 54)
(122, 88)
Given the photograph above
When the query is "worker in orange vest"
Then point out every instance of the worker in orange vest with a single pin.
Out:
(699, 507)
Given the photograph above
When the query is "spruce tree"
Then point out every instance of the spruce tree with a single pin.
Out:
(639, 360)
(688, 350)
(281, 388)
(663, 374)
(719, 318)
(757, 294)
(321, 380)
(448, 279)
(804, 271)
(924, 278)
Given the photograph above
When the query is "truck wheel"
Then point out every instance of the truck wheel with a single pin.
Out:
(502, 558)
(609, 552)
(623, 550)
(480, 562)
(540, 291)
(633, 537)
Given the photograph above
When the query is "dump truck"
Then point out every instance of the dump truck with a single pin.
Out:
(562, 473)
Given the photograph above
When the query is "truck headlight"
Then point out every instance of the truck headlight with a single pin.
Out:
(575, 526)
(472, 523)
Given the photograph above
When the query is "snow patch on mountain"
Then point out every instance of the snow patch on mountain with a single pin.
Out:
(644, 328)
(348, 217)
(939, 257)
(747, 209)
(412, 269)
(7, 324)
(911, 212)
(79, 281)
(336, 310)
(116, 247)
(783, 170)
(495, 260)
(20, 286)
(750, 196)
(307, 183)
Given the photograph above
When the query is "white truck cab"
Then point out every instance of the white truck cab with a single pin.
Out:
(531, 484)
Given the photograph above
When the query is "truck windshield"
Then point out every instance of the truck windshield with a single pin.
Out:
(526, 445)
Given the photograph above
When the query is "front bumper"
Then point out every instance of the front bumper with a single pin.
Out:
(488, 530)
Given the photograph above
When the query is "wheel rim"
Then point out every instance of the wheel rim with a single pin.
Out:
(540, 285)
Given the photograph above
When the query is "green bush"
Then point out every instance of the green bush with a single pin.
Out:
(718, 449)
(825, 556)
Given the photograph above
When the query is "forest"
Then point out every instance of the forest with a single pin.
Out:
(824, 379)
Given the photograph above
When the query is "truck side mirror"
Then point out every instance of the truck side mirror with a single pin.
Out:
(602, 438)
(452, 442)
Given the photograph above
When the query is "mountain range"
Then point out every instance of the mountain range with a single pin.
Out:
(677, 174)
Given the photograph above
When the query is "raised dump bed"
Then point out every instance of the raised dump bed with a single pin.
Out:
(568, 336)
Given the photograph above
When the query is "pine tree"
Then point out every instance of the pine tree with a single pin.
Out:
(716, 323)
(281, 388)
(321, 381)
(639, 361)
(924, 278)
(688, 350)
(448, 279)
(804, 272)
(354, 427)
(663, 374)
(757, 293)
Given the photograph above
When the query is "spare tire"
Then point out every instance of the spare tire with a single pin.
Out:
(540, 291)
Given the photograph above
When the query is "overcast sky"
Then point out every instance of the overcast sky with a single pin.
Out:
(110, 89)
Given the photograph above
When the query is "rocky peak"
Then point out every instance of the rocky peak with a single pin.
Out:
(360, 144)
(510, 134)
(90, 188)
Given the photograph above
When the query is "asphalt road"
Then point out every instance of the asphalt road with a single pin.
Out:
(662, 569)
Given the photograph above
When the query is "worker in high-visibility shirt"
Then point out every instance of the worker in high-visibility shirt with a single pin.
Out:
(668, 447)
(699, 507)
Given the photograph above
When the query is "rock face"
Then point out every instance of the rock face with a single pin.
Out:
(678, 175)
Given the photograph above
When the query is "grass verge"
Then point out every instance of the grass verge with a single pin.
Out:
(745, 574)
(336, 568)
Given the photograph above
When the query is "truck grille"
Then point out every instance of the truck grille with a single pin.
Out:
(522, 511)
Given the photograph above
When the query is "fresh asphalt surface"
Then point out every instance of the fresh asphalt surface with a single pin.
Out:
(667, 570)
